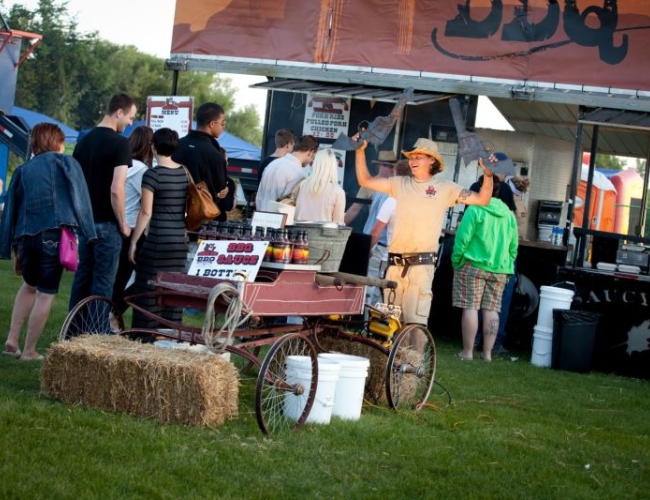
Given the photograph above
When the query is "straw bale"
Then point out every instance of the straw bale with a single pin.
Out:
(235, 215)
(114, 373)
(375, 389)
(409, 382)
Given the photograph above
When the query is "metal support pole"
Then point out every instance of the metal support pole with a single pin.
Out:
(575, 179)
(175, 82)
(639, 230)
(586, 218)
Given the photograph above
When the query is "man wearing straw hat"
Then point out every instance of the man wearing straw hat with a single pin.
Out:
(422, 202)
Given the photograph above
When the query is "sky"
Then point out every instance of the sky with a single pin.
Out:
(148, 25)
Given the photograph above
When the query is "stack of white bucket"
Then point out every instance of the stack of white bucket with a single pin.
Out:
(341, 383)
(549, 298)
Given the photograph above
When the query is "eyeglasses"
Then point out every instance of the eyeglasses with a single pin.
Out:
(222, 122)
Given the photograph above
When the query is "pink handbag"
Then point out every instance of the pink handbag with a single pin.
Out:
(68, 251)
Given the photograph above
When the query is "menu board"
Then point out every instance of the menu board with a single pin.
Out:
(174, 112)
(326, 116)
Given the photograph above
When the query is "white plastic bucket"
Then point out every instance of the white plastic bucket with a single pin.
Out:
(299, 371)
(544, 233)
(542, 347)
(350, 386)
(550, 298)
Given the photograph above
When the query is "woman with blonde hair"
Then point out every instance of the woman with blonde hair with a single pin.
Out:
(320, 198)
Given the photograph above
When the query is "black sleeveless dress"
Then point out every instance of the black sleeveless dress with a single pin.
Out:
(165, 246)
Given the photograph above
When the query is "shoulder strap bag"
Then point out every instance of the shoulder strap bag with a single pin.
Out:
(200, 205)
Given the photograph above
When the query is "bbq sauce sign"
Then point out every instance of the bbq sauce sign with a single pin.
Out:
(228, 260)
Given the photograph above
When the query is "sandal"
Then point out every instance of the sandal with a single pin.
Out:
(12, 351)
(40, 357)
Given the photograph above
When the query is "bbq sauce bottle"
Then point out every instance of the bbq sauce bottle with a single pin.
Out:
(281, 247)
(298, 254)
(270, 235)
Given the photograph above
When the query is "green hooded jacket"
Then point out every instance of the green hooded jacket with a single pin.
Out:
(487, 238)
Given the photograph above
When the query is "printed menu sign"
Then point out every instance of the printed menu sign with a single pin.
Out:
(174, 112)
(326, 116)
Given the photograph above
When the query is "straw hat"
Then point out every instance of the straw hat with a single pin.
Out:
(386, 158)
(426, 147)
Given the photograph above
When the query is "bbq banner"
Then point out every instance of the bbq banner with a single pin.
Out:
(591, 43)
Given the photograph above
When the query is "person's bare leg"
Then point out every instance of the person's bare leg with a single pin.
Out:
(469, 327)
(23, 304)
(490, 329)
(36, 323)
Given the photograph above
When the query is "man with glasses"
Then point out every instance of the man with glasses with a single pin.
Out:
(200, 152)
(283, 175)
(422, 202)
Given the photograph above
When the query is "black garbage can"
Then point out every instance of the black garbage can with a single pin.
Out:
(574, 334)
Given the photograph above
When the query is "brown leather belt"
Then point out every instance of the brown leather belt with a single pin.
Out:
(411, 259)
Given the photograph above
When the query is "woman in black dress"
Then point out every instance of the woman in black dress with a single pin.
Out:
(164, 191)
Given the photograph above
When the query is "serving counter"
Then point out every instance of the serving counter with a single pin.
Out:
(622, 343)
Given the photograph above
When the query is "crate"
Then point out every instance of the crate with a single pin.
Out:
(327, 243)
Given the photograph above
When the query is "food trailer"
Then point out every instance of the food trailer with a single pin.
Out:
(569, 76)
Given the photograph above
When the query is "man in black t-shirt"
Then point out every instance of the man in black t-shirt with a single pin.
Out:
(105, 156)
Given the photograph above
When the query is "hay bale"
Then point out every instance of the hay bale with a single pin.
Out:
(114, 373)
(375, 389)
(235, 215)
(409, 382)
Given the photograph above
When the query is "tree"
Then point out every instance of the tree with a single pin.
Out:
(610, 162)
(71, 75)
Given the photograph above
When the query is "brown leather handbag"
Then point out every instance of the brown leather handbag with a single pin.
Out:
(200, 205)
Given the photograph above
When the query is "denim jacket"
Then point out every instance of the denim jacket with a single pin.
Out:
(47, 192)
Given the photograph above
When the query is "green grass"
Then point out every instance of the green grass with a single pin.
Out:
(511, 431)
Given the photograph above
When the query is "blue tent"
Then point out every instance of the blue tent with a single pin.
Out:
(32, 118)
(237, 149)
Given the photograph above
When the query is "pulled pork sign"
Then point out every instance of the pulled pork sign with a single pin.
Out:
(588, 43)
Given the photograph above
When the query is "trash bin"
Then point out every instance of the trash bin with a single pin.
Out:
(574, 334)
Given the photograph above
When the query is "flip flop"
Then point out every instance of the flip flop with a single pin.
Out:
(9, 352)
(463, 358)
(40, 357)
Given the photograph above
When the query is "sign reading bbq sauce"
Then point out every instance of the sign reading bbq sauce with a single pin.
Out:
(228, 260)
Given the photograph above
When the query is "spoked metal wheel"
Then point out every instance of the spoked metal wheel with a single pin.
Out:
(94, 314)
(411, 368)
(284, 396)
